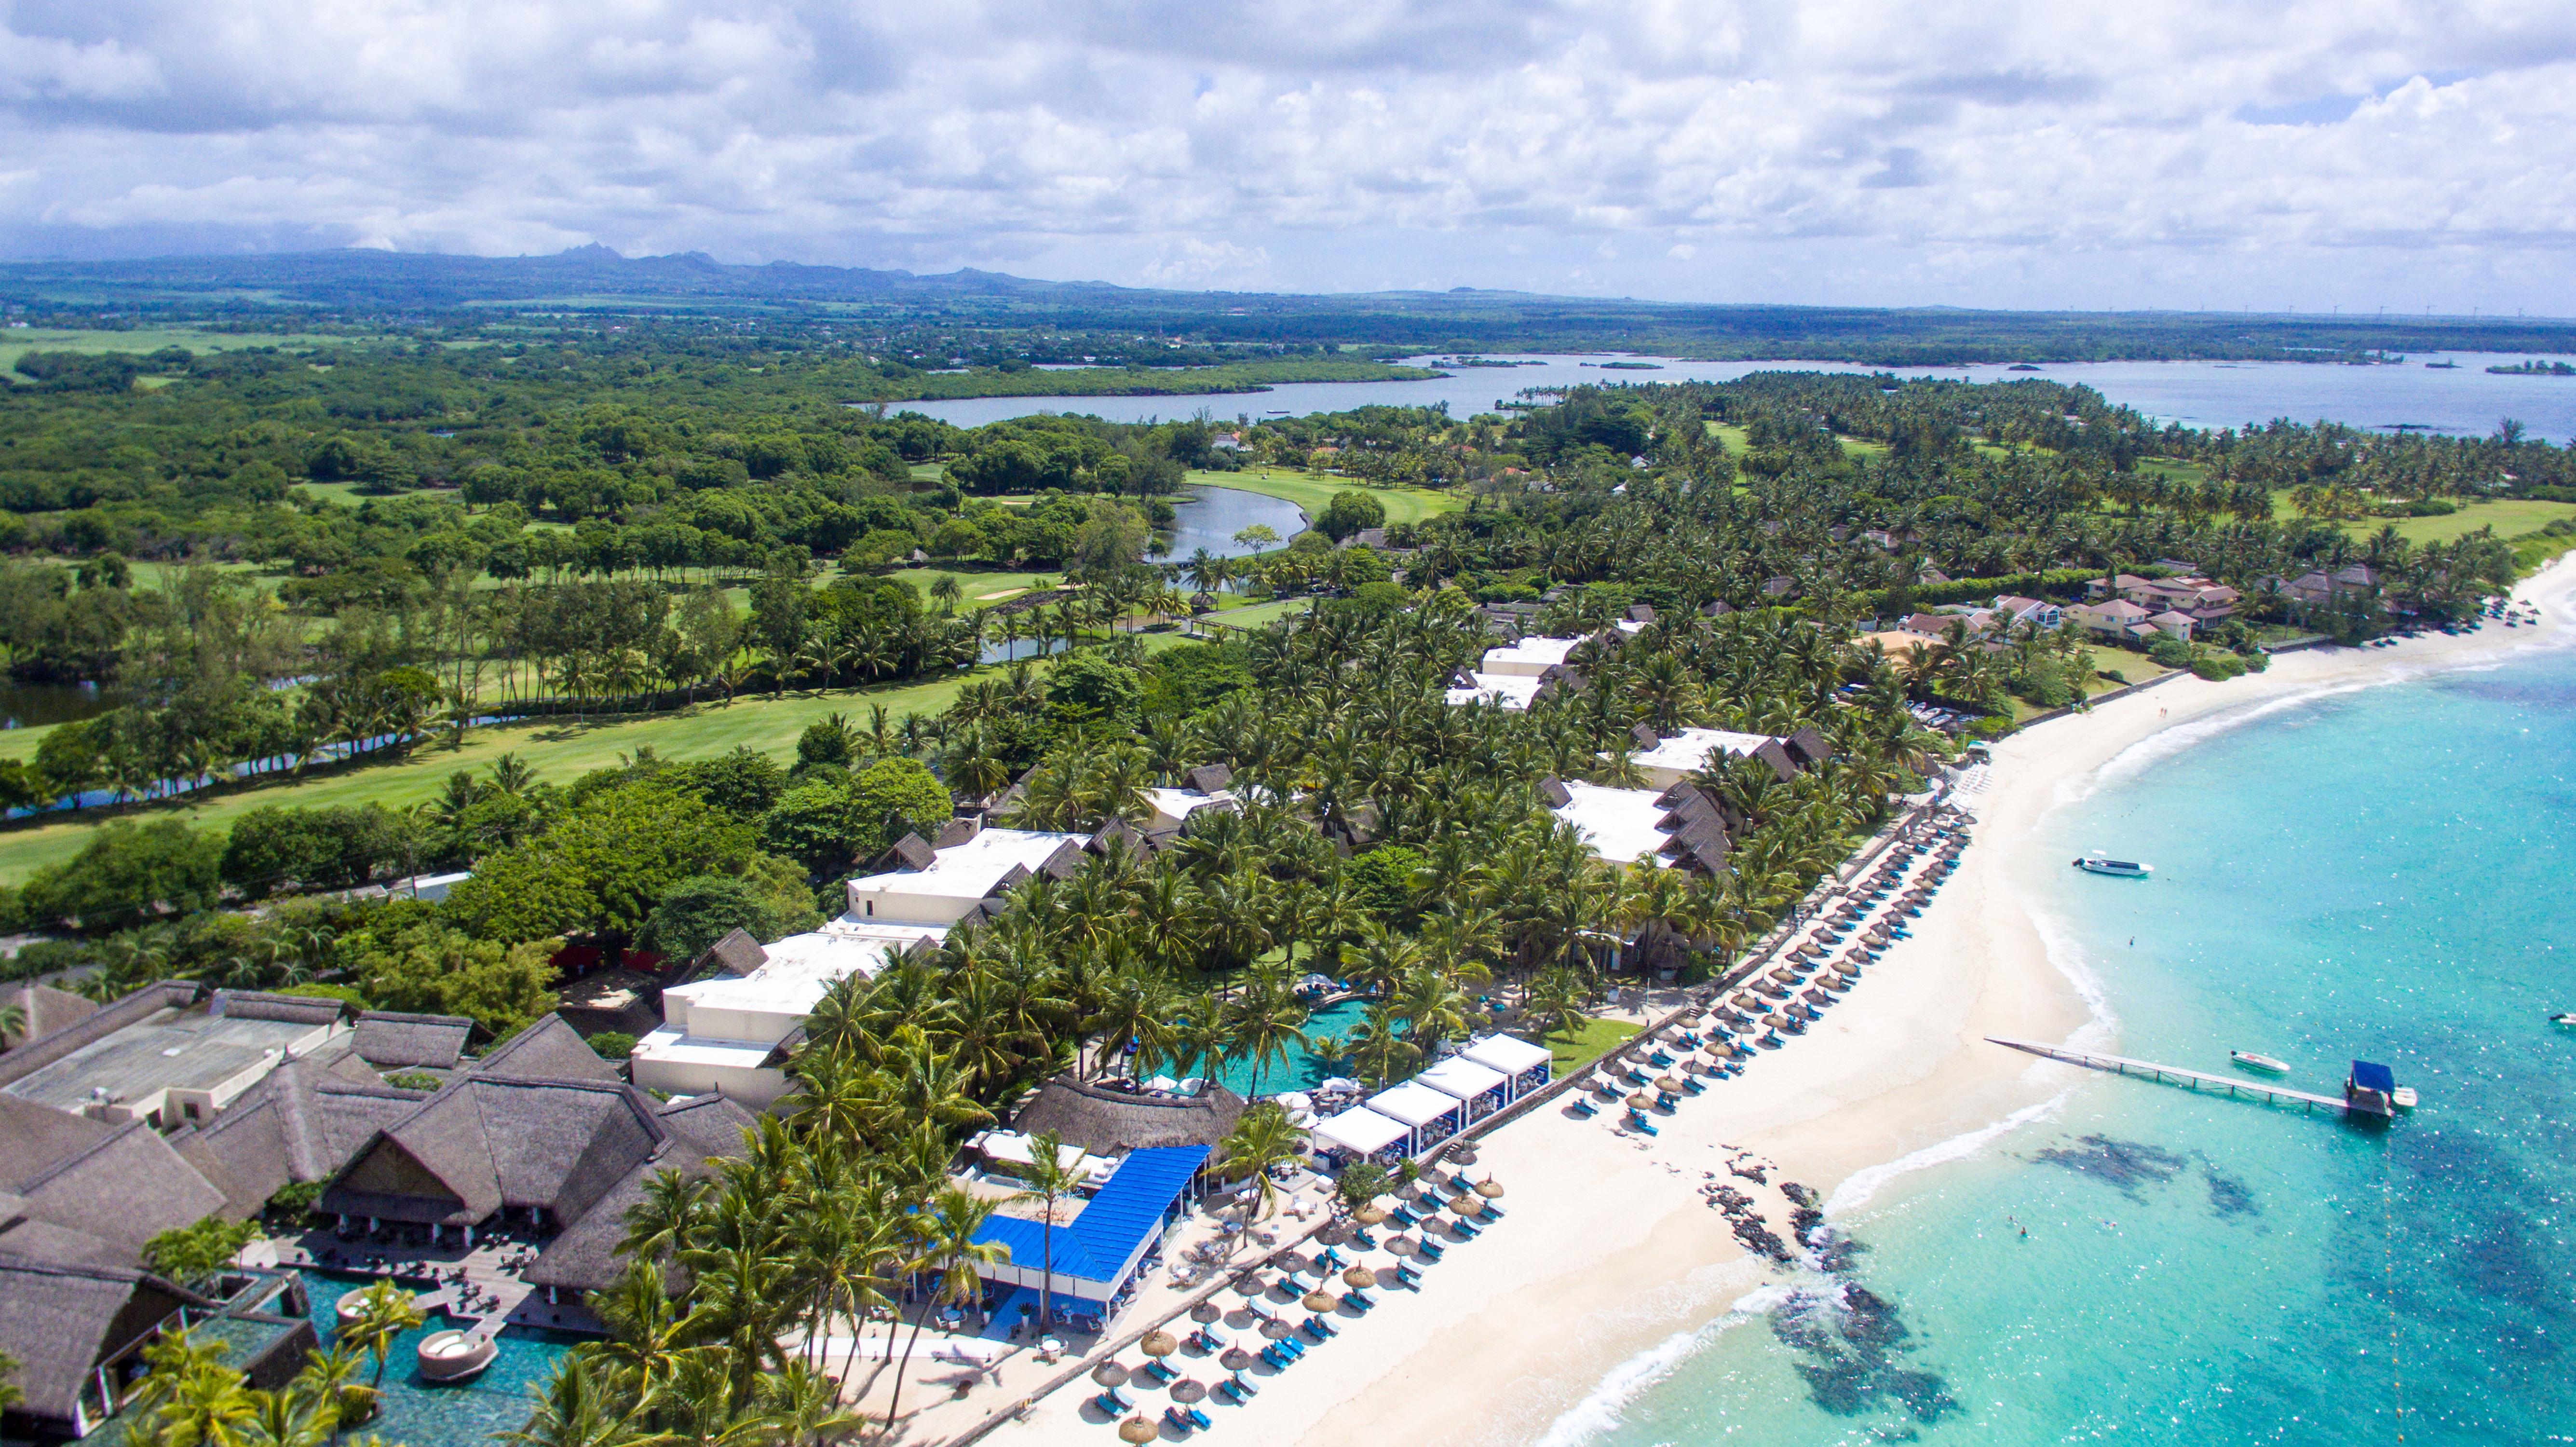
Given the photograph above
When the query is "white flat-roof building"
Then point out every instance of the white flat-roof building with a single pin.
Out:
(1667, 761)
(1511, 691)
(1620, 826)
(1530, 657)
(721, 1035)
(942, 885)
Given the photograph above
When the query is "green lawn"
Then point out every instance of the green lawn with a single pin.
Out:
(2510, 517)
(559, 749)
(15, 343)
(1403, 504)
(977, 580)
(1596, 1039)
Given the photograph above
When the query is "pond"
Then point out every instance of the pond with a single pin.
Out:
(34, 705)
(421, 1415)
(1209, 517)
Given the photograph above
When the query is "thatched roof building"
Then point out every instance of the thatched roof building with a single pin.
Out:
(1104, 1121)
(391, 1041)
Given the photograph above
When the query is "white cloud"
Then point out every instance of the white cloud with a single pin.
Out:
(2017, 152)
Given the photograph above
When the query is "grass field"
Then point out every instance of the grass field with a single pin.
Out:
(1596, 1039)
(15, 343)
(977, 581)
(1403, 504)
(2511, 517)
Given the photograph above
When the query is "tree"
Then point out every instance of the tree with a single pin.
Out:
(385, 1311)
(829, 820)
(951, 1255)
(1263, 1139)
(701, 910)
(1349, 513)
(1111, 539)
(195, 1255)
(602, 867)
(426, 967)
(127, 872)
(1050, 1181)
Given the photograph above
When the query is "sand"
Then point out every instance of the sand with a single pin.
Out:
(1610, 1251)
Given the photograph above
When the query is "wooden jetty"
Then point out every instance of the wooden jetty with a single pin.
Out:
(2192, 1079)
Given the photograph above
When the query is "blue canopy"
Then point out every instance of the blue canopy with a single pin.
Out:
(2370, 1075)
(1110, 1234)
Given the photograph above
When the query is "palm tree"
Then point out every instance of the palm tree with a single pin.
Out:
(951, 1254)
(1050, 1180)
(1262, 1140)
(945, 592)
(385, 1311)
(581, 1408)
(1266, 1022)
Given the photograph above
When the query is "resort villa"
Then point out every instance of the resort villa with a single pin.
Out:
(1667, 760)
(178, 1103)
(1205, 787)
(1678, 827)
(1530, 657)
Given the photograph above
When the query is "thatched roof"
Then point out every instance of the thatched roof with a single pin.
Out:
(122, 1188)
(1553, 793)
(484, 1143)
(1208, 778)
(1770, 752)
(914, 851)
(1102, 1121)
(1645, 736)
(957, 831)
(389, 1040)
(1808, 747)
(584, 1256)
(47, 1010)
(260, 1005)
(59, 1320)
(547, 1050)
(33, 1137)
(736, 954)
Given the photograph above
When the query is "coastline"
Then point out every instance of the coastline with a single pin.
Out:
(1611, 1265)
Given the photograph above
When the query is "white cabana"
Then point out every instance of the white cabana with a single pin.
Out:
(1011, 1151)
(1432, 1115)
(1480, 1087)
(1528, 1066)
(1361, 1131)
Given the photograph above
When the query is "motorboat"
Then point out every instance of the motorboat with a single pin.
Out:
(2265, 1063)
(2564, 1017)
(2097, 863)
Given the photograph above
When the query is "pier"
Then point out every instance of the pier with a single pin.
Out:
(2192, 1079)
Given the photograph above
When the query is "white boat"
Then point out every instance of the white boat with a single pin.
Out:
(2403, 1097)
(2264, 1063)
(2098, 863)
(2564, 1018)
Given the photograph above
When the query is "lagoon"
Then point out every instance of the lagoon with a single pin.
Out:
(2464, 399)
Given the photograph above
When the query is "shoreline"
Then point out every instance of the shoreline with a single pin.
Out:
(1611, 1268)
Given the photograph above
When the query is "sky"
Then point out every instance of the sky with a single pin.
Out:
(2353, 155)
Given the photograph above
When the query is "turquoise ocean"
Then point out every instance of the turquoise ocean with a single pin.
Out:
(2383, 873)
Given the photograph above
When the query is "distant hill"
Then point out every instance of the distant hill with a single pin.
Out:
(418, 288)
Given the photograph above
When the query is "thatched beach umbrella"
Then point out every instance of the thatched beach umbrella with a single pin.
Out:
(1335, 1233)
(1489, 1188)
(1370, 1214)
(1188, 1390)
(1318, 1301)
(1641, 1100)
(1360, 1276)
(1462, 1154)
(1138, 1431)
(1159, 1343)
(1467, 1205)
(1110, 1374)
(1236, 1359)
(1275, 1329)
(1289, 1261)
(1670, 1085)
(1207, 1311)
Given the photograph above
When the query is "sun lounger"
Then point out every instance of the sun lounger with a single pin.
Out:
(1321, 1329)
(1407, 1275)
(1359, 1298)
(1115, 1402)
(1465, 1228)
(1429, 1250)
(1367, 1242)
(1693, 1087)
(1637, 1120)
(1584, 1108)
(1243, 1386)
(1233, 1391)
(1278, 1359)
(1659, 1058)
(1160, 1372)
(1197, 1417)
(1407, 1215)
(1173, 1418)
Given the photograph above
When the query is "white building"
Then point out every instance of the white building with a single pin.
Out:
(938, 887)
(1205, 787)
(723, 1035)
(726, 1033)
(1667, 761)
(1530, 657)
(1620, 826)
(1511, 691)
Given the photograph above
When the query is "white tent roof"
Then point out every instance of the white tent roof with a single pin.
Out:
(1506, 1053)
(1362, 1130)
(1461, 1077)
(1019, 1150)
(1413, 1104)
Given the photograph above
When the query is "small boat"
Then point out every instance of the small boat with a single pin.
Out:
(454, 1357)
(2264, 1063)
(2117, 868)
(2403, 1097)
(2563, 1017)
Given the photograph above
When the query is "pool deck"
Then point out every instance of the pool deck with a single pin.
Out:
(500, 1297)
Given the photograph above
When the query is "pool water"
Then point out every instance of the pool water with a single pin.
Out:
(1299, 1069)
(418, 1414)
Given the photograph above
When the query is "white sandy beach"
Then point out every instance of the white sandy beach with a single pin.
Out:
(1610, 1251)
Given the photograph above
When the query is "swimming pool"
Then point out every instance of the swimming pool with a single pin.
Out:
(421, 1415)
(1300, 1069)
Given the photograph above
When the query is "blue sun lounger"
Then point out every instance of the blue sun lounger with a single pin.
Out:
(1584, 1108)
(1359, 1299)
(1407, 1275)
(1465, 1228)
(1637, 1121)
(1320, 1329)
(1159, 1372)
(1278, 1359)
(1429, 1250)
(1177, 1418)
(1115, 1402)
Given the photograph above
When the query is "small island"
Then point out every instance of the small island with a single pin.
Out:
(2535, 368)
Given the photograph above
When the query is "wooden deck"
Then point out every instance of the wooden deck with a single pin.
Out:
(2176, 1075)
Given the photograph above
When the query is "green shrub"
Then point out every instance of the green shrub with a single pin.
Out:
(2170, 653)
(613, 1044)
(414, 1080)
